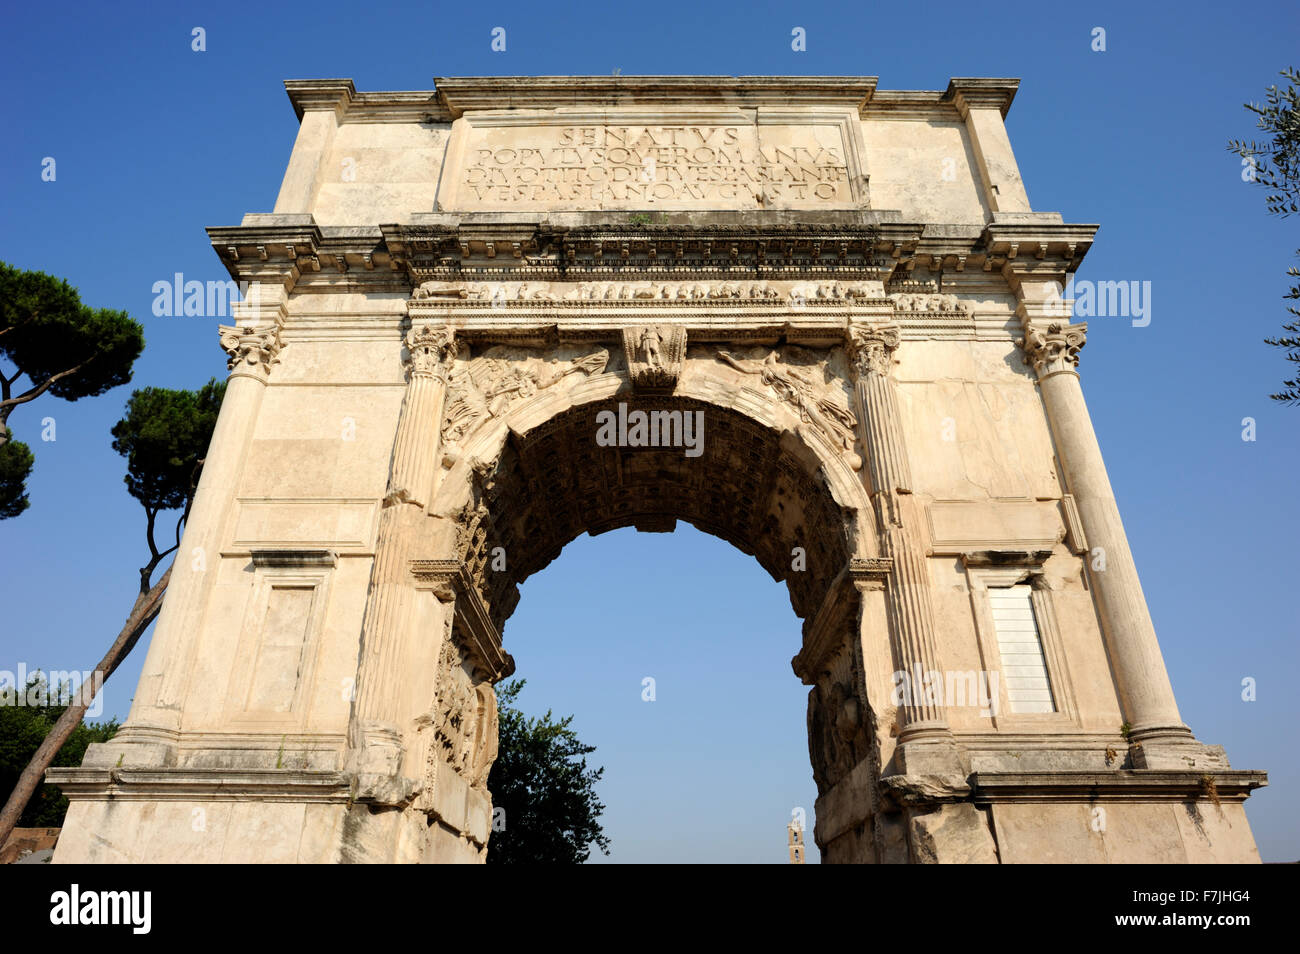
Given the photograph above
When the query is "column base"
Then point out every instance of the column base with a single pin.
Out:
(1178, 755)
(134, 747)
(377, 750)
(1172, 747)
(931, 754)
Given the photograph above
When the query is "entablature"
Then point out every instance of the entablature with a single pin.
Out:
(852, 247)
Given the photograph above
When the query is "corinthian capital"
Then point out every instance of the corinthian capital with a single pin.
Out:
(871, 348)
(252, 348)
(431, 350)
(1055, 348)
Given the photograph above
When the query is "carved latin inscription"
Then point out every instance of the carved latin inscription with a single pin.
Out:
(635, 165)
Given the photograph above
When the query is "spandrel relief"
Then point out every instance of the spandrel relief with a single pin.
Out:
(803, 382)
(489, 385)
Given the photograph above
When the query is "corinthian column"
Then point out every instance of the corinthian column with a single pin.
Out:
(926, 744)
(379, 709)
(1146, 696)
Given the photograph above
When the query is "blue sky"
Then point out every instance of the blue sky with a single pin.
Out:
(154, 141)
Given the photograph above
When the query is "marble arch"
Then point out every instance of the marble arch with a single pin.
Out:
(855, 295)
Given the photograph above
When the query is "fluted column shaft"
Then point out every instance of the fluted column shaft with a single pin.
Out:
(412, 471)
(871, 349)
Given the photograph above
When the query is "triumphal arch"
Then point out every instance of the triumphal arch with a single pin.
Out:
(815, 318)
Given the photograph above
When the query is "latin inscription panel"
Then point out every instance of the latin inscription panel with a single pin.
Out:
(618, 164)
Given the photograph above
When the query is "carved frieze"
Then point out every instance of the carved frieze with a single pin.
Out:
(671, 291)
(929, 304)
(654, 355)
(797, 293)
(440, 290)
(836, 291)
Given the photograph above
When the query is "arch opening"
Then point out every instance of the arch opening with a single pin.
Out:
(671, 651)
(761, 489)
(519, 498)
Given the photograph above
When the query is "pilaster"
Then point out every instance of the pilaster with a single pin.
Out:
(378, 721)
(320, 105)
(925, 742)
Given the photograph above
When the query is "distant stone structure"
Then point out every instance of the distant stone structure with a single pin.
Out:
(795, 833)
(847, 288)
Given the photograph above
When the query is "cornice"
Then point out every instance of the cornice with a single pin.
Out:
(335, 94)
(265, 244)
(850, 246)
(967, 93)
(339, 95)
(278, 244)
(418, 106)
(842, 246)
(910, 104)
(1148, 784)
(293, 559)
(460, 94)
(202, 784)
(538, 251)
(1036, 246)
(452, 97)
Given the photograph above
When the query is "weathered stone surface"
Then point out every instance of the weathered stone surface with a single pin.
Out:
(816, 319)
(952, 835)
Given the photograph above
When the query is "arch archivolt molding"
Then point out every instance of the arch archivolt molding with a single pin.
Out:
(711, 383)
(799, 406)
